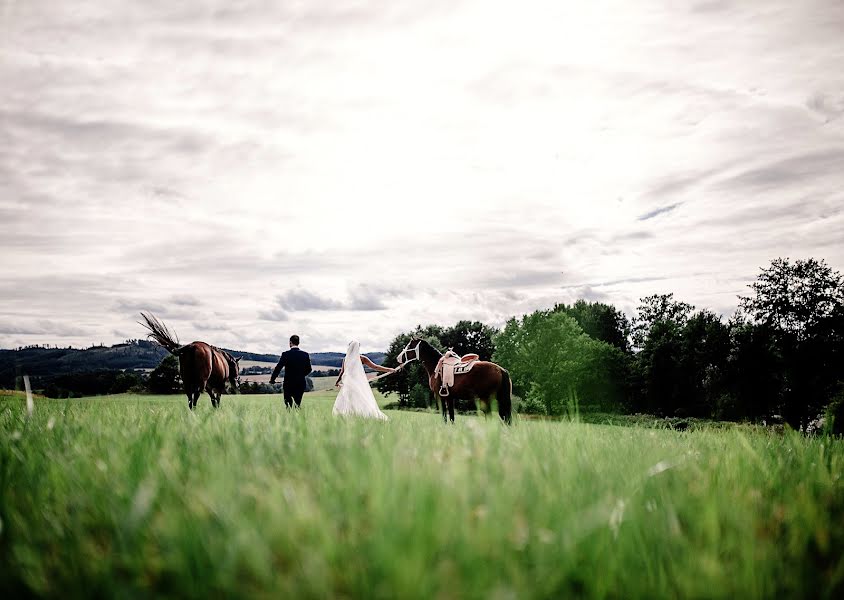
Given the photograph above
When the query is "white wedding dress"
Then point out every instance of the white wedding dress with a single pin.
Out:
(355, 396)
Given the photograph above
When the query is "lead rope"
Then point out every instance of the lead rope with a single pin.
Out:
(398, 368)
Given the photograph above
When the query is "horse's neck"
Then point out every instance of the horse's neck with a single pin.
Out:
(429, 358)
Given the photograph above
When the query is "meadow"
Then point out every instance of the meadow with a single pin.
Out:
(130, 496)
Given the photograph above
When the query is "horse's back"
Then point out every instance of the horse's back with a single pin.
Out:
(481, 381)
(195, 363)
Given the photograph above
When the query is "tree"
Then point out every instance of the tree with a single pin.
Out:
(470, 336)
(165, 378)
(600, 321)
(796, 299)
(802, 304)
(704, 351)
(681, 366)
(659, 370)
(655, 309)
(551, 360)
(754, 371)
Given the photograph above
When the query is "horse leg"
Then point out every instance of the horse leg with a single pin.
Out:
(451, 408)
(503, 397)
(442, 402)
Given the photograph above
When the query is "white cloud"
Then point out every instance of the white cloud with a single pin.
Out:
(349, 171)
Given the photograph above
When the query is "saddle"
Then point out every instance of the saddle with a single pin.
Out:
(452, 364)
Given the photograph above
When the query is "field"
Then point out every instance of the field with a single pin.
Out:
(133, 496)
(321, 384)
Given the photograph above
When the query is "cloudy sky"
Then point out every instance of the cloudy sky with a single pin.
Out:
(251, 169)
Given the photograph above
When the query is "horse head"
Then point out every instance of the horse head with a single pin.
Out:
(234, 371)
(418, 349)
(410, 352)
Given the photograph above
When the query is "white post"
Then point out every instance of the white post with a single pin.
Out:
(30, 404)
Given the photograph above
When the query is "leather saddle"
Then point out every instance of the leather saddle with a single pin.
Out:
(452, 364)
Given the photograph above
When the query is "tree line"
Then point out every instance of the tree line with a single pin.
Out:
(780, 355)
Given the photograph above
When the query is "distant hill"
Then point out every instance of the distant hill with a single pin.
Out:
(44, 363)
(323, 359)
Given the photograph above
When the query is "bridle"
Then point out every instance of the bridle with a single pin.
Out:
(409, 354)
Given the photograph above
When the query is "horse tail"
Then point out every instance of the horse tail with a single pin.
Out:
(504, 397)
(161, 334)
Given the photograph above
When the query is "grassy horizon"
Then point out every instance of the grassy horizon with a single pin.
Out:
(134, 495)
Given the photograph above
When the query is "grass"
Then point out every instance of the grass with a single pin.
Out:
(133, 496)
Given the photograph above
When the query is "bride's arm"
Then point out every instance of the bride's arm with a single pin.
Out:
(365, 360)
(340, 376)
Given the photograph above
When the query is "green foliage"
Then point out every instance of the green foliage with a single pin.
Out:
(420, 396)
(326, 373)
(796, 298)
(802, 306)
(45, 364)
(682, 365)
(531, 405)
(834, 414)
(551, 360)
(600, 321)
(470, 337)
(91, 383)
(135, 497)
(659, 308)
(165, 378)
(754, 369)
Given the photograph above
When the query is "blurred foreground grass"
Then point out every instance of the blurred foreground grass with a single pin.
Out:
(131, 496)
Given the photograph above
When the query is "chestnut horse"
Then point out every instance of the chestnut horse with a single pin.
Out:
(202, 366)
(485, 381)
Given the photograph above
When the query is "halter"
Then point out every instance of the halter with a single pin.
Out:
(409, 354)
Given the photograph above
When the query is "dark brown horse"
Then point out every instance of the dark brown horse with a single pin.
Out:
(202, 366)
(485, 381)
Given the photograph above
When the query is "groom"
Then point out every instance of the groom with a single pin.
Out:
(296, 365)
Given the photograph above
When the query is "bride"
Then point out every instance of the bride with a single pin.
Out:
(355, 396)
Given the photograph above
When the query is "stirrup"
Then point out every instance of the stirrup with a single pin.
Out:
(443, 391)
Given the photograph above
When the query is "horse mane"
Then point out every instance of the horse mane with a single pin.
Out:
(430, 345)
(160, 332)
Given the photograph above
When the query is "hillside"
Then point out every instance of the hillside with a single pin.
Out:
(44, 363)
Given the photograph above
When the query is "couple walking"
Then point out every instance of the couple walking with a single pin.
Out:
(355, 396)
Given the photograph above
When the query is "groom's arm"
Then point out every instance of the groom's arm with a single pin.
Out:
(278, 368)
(308, 367)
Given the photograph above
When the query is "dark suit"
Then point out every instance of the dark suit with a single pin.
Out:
(296, 364)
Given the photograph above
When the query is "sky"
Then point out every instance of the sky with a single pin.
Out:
(246, 170)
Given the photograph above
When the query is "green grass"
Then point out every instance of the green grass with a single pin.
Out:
(133, 496)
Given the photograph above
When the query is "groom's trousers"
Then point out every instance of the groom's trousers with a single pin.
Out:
(292, 395)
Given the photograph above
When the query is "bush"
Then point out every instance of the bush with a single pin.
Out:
(420, 396)
(165, 378)
(834, 415)
(531, 405)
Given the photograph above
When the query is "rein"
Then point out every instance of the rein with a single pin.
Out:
(382, 375)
